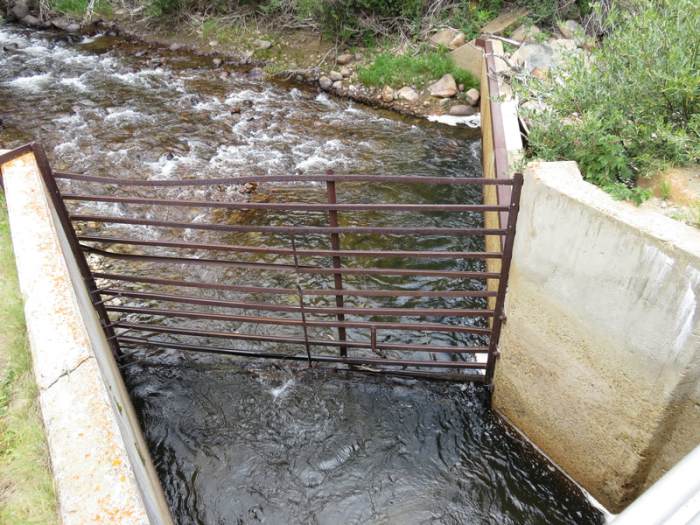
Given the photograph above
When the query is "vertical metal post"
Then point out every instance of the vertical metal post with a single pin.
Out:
(335, 245)
(58, 204)
(499, 315)
(300, 294)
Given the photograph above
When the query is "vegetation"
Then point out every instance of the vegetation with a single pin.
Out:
(633, 108)
(79, 8)
(26, 486)
(403, 70)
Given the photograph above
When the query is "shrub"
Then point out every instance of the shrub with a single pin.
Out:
(402, 70)
(631, 109)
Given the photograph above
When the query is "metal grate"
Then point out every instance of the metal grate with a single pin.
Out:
(150, 309)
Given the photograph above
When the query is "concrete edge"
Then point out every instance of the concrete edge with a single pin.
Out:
(101, 464)
(566, 178)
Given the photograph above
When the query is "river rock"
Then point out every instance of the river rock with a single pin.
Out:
(174, 47)
(31, 21)
(217, 62)
(344, 59)
(256, 74)
(525, 33)
(346, 71)
(444, 37)
(325, 82)
(387, 94)
(446, 87)
(570, 29)
(408, 94)
(262, 44)
(472, 96)
(20, 10)
(461, 110)
(335, 76)
(338, 85)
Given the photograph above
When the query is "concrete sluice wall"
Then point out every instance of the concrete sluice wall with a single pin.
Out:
(100, 462)
(600, 353)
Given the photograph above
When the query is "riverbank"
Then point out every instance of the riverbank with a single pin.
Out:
(26, 485)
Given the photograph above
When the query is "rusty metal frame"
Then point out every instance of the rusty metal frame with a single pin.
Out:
(457, 362)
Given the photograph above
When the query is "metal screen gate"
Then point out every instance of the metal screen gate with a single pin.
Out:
(355, 338)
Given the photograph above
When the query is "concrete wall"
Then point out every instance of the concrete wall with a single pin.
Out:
(600, 354)
(101, 465)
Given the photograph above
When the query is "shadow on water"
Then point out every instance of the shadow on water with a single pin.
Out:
(248, 442)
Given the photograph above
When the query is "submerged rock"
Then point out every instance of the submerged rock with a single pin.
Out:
(446, 87)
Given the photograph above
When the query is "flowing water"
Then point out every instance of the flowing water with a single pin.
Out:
(245, 441)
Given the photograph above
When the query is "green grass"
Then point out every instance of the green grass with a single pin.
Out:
(405, 70)
(26, 486)
(79, 7)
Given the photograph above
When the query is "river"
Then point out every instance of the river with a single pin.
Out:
(238, 441)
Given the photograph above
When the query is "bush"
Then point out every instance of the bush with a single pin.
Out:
(632, 109)
(402, 70)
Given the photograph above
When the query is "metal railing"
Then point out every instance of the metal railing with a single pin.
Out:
(142, 310)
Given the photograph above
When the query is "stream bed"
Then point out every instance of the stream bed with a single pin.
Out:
(244, 441)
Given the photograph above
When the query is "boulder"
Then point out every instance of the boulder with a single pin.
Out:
(31, 21)
(408, 94)
(504, 21)
(461, 110)
(335, 76)
(571, 29)
(457, 41)
(446, 87)
(531, 56)
(344, 59)
(20, 10)
(325, 82)
(525, 33)
(472, 96)
(468, 57)
(387, 94)
(444, 37)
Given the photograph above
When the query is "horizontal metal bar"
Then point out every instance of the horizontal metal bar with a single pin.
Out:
(414, 374)
(296, 230)
(243, 305)
(318, 358)
(300, 340)
(293, 291)
(380, 325)
(402, 179)
(453, 274)
(288, 206)
(289, 251)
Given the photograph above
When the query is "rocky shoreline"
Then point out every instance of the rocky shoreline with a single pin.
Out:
(337, 76)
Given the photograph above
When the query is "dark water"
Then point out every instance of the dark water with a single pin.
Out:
(248, 442)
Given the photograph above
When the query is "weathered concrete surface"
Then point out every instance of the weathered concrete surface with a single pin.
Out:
(95, 479)
(601, 350)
